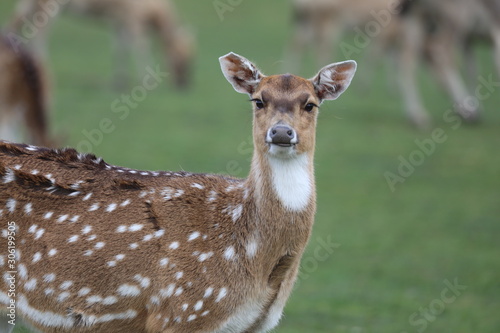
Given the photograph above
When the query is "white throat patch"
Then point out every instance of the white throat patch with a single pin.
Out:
(292, 181)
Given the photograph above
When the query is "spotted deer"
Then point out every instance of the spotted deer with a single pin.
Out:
(133, 21)
(23, 96)
(101, 248)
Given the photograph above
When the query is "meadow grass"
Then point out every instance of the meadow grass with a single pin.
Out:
(394, 250)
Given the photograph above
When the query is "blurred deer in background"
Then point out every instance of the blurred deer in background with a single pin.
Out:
(101, 248)
(409, 30)
(132, 19)
(442, 30)
(23, 96)
(318, 25)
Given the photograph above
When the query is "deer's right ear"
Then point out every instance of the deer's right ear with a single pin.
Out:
(240, 72)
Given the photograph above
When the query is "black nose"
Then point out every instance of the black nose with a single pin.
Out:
(282, 135)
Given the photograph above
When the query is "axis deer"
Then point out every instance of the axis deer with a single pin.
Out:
(438, 29)
(23, 96)
(101, 248)
(441, 30)
(132, 19)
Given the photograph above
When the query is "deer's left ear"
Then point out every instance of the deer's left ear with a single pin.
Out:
(332, 80)
(240, 72)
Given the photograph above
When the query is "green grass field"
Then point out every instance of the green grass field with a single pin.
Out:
(396, 254)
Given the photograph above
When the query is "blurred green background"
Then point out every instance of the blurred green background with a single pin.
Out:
(392, 251)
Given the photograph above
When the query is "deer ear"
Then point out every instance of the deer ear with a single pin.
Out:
(240, 72)
(332, 80)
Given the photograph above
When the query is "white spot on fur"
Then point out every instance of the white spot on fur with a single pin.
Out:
(204, 256)
(73, 238)
(191, 318)
(84, 292)
(251, 248)
(37, 257)
(30, 285)
(205, 313)
(198, 186)
(63, 296)
(28, 208)
(87, 229)
(94, 299)
(193, 236)
(125, 203)
(88, 253)
(178, 275)
(164, 262)
(208, 292)
(48, 215)
(49, 291)
(135, 227)
(167, 292)
(129, 290)
(212, 196)
(230, 253)
(62, 218)
(39, 233)
(159, 233)
(221, 295)
(94, 207)
(155, 301)
(174, 245)
(74, 218)
(145, 282)
(291, 181)
(9, 176)
(179, 291)
(100, 245)
(198, 306)
(66, 285)
(52, 252)
(111, 207)
(133, 246)
(11, 205)
(121, 228)
(87, 197)
(49, 278)
(109, 300)
(147, 238)
(185, 306)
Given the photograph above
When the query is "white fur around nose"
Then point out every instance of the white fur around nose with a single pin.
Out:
(292, 181)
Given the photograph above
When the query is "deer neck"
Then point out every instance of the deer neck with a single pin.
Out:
(284, 186)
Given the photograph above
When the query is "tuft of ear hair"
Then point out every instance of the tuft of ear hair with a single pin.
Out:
(240, 72)
(332, 80)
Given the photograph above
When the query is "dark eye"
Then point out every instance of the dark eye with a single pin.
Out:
(258, 103)
(309, 107)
